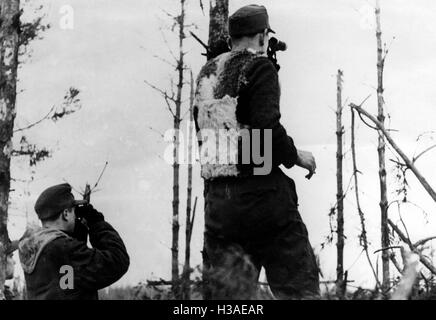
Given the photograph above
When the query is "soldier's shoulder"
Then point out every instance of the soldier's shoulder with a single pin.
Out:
(241, 60)
(211, 67)
(261, 61)
(62, 244)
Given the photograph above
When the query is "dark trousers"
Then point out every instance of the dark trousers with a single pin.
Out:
(253, 223)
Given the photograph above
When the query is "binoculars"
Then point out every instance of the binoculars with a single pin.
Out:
(275, 45)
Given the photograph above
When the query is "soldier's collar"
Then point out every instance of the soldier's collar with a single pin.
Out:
(253, 51)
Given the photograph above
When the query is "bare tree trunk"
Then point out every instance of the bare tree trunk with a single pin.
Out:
(176, 99)
(188, 227)
(218, 34)
(9, 44)
(381, 154)
(218, 26)
(176, 166)
(340, 285)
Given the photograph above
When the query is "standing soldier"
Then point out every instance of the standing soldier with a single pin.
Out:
(251, 215)
(57, 265)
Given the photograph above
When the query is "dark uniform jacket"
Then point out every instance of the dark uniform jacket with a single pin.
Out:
(44, 251)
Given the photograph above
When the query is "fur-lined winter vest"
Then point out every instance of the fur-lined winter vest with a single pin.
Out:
(221, 128)
(237, 117)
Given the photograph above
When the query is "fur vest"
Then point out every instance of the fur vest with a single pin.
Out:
(236, 93)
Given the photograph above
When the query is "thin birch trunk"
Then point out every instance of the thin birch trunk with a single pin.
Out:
(381, 154)
(176, 166)
(218, 33)
(340, 285)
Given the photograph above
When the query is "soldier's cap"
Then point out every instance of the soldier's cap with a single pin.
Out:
(11, 247)
(249, 20)
(54, 200)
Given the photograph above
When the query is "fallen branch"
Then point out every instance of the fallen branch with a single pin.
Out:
(406, 160)
(387, 248)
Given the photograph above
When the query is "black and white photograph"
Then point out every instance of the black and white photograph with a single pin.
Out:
(219, 150)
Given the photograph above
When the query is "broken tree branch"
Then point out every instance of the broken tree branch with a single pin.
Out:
(407, 161)
(100, 176)
(423, 241)
(47, 116)
(193, 218)
(205, 46)
(387, 248)
(166, 97)
(422, 153)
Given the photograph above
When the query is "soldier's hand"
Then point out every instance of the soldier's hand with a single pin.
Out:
(80, 230)
(88, 213)
(306, 160)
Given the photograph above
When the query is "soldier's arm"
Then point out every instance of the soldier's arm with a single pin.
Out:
(263, 93)
(102, 265)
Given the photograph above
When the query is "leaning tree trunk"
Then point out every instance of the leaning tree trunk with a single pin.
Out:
(381, 155)
(408, 162)
(340, 285)
(218, 34)
(9, 44)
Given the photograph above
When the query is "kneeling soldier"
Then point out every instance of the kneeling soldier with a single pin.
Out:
(52, 253)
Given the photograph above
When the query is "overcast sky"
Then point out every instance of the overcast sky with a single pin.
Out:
(110, 52)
